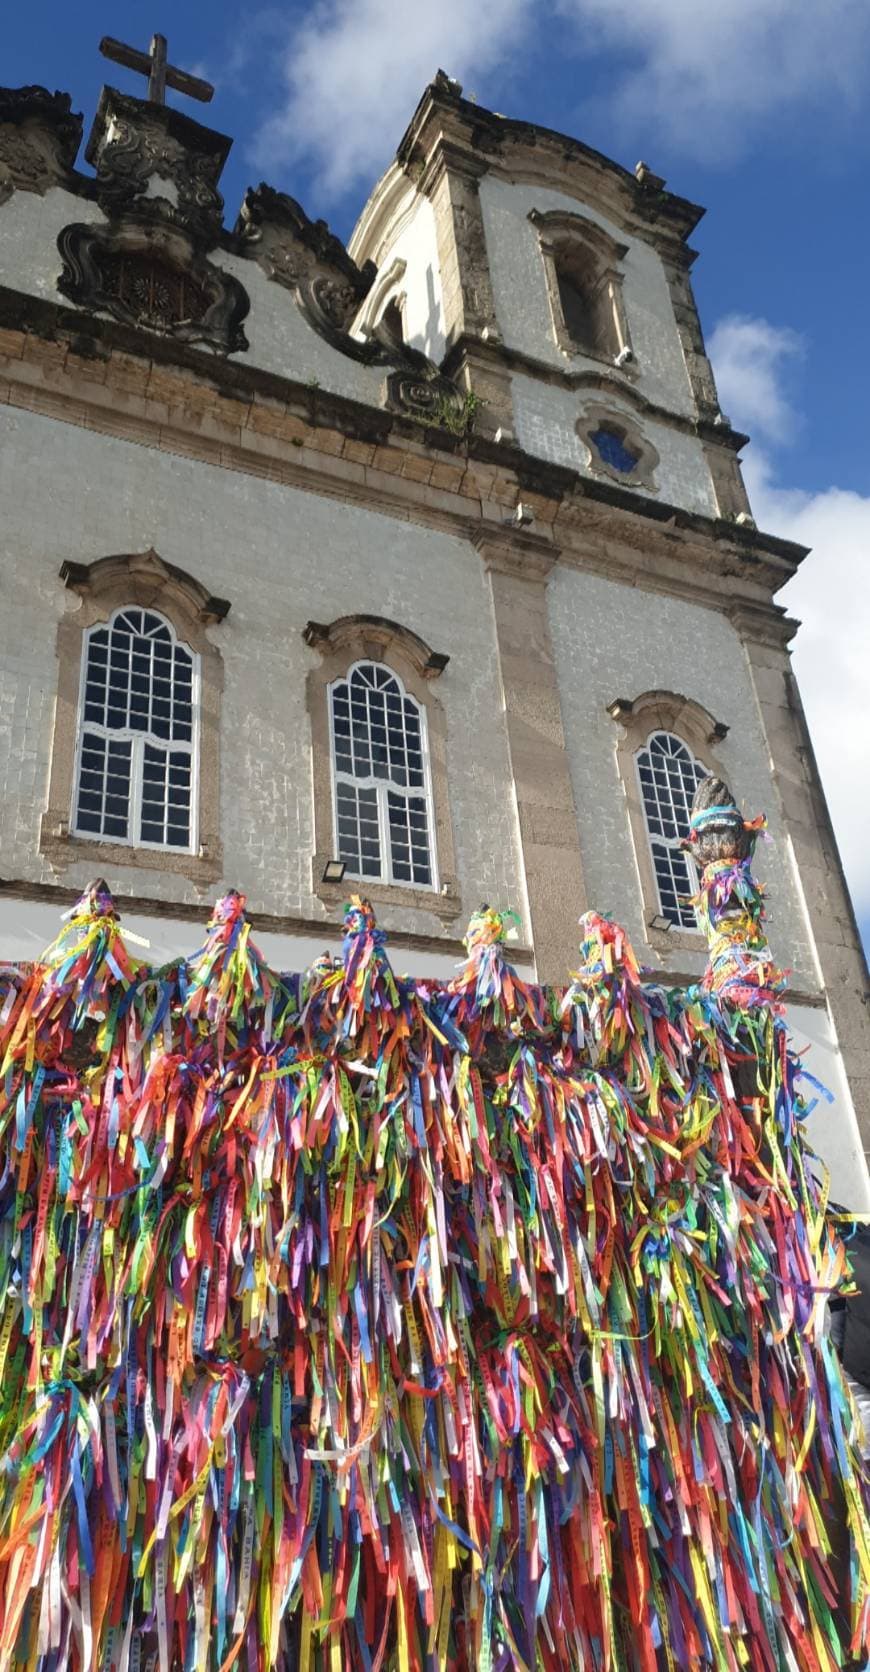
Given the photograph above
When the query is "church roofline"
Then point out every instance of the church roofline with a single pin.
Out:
(503, 139)
(195, 136)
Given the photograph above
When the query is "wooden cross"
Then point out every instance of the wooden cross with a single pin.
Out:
(160, 74)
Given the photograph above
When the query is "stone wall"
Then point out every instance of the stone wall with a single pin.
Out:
(282, 557)
(547, 416)
(522, 305)
(613, 641)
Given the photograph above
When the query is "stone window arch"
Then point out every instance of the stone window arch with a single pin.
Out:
(394, 836)
(382, 314)
(583, 268)
(667, 743)
(135, 771)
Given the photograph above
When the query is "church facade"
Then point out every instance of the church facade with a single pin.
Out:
(421, 567)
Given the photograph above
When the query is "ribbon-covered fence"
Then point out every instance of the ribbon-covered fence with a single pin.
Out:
(353, 1322)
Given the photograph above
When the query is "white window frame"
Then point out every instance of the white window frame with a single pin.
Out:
(671, 842)
(382, 786)
(137, 753)
(387, 288)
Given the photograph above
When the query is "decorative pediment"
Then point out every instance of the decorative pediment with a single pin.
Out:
(374, 636)
(158, 162)
(559, 227)
(669, 711)
(149, 274)
(39, 138)
(146, 578)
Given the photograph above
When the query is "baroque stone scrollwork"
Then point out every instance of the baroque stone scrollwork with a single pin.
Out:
(39, 138)
(149, 274)
(158, 161)
(304, 256)
(425, 394)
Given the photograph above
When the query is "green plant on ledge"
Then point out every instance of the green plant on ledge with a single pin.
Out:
(445, 414)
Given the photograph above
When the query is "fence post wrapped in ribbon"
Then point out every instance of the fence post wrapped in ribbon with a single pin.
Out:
(227, 981)
(730, 902)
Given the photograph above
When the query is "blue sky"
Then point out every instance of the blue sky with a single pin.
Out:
(756, 108)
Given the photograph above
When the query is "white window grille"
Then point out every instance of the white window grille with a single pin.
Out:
(136, 769)
(669, 775)
(383, 803)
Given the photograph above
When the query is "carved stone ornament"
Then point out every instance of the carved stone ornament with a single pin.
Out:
(304, 256)
(159, 161)
(274, 230)
(39, 138)
(150, 275)
(424, 394)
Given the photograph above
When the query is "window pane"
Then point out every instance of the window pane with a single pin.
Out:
(576, 310)
(145, 667)
(103, 794)
(668, 775)
(377, 734)
(137, 680)
(613, 449)
(358, 836)
(409, 839)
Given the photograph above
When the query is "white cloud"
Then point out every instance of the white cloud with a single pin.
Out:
(699, 72)
(830, 595)
(354, 71)
(702, 69)
(751, 358)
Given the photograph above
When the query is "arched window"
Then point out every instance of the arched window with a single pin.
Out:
(669, 774)
(578, 310)
(136, 760)
(583, 267)
(586, 301)
(383, 810)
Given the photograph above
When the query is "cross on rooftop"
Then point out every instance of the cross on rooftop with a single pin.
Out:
(160, 74)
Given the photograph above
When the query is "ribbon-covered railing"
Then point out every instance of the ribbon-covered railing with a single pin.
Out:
(350, 1322)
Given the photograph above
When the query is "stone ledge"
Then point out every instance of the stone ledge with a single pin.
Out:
(62, 850)
(273, 923)
(445, 904)
(672, 561)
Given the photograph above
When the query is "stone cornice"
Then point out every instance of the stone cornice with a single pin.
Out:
(250, 420)
(771, 626)
(599, 378)
(449, 131)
